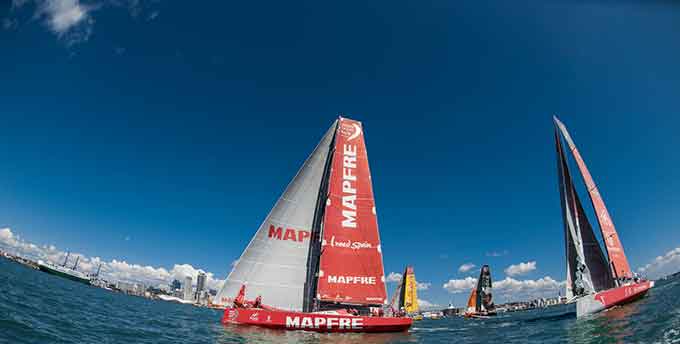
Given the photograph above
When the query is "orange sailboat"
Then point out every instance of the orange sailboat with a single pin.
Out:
(594, 282)
(480, 303)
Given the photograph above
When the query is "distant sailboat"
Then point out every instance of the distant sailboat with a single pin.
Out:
(408, 295)
(592, 282)
(480, 304)
(316, 260)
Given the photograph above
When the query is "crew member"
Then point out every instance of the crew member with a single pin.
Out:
(258, 302)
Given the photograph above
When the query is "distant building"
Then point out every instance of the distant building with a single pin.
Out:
(200, 285)
(188, 295)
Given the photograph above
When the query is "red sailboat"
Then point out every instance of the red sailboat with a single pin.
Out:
(316, 263)
(594, 282)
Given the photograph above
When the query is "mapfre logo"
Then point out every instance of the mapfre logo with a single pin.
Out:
(354, 323)
(289, 234)
(350, 130)
(366, 280)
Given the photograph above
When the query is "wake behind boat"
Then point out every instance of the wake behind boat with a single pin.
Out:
(593, 282)
(316, 262)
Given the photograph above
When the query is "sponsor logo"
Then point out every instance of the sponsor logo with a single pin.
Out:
(350, 130)
(233, 314)
(349, 191)
(354, 323)
(289, 234)
(255, 316)
(639, 288)
(366, 280)
(355, 245)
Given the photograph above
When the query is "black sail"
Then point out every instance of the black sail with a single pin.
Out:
(587, 267)
(484, 296)
(592, 252)
(402, 290)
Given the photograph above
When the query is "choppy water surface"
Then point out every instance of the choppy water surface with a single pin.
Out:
(39, 308)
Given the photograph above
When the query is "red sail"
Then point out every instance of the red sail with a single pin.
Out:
(351, 266)
(617, 257)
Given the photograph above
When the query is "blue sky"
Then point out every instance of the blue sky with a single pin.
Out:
(161, 133)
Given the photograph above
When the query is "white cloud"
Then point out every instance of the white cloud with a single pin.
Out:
(514, 290)
(662, 265)
(466, 267)
(393, 277)
(520, 269)
(6, 235)
(71, 20)
(511, 289)
(423, 285)
(456, 286)
(114, 270)
(63, 15)
(424, 304)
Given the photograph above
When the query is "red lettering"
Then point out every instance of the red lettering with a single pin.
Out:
(275, 232)
(290, 235)
(302, 235)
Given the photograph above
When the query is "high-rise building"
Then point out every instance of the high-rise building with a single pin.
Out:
(200, 285)
(188, 295)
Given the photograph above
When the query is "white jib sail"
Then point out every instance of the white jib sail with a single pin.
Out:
(274, 265)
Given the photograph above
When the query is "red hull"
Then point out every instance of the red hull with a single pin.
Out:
(318, 322)
(627, 293)
(612, 297)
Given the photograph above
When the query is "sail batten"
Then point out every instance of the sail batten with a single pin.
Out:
(619, 263)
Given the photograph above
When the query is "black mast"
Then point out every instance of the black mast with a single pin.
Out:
(314, 256)
(66, 259)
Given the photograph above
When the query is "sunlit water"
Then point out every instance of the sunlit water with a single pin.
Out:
(39, 308)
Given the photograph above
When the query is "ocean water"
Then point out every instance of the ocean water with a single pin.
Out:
(39, 308)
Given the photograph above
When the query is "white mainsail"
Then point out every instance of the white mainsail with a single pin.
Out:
(274, 265)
